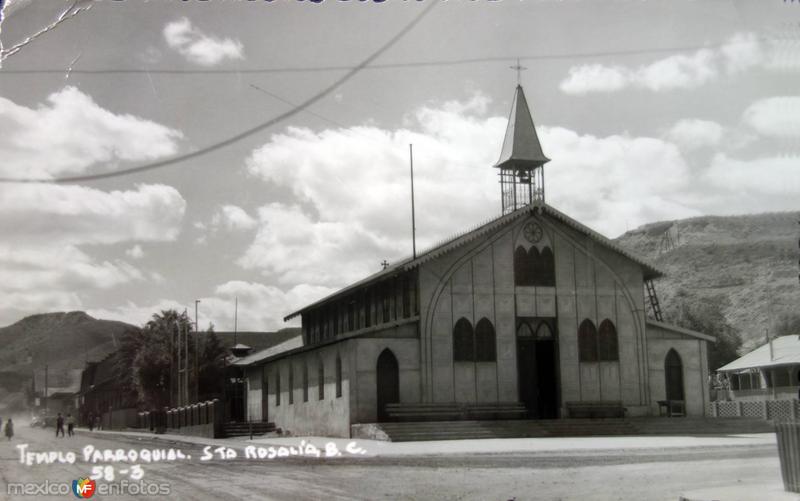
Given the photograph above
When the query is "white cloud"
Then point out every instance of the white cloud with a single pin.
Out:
(739, 53)
(47, 214)
(352, 188)
(261, 307)
(775, 116)
(692, 133)
(595, 78)
(135, 252)
(233, 218)
(198, 47)
(774, 178)
(71, 133)
(44, 225)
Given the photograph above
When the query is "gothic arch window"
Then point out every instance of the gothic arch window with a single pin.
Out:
(277, 386)
(338, 376)
(535, 266)
(305, 381)
(291, 383)
(547, 268)
(608, 348)
(544, 331)
(463, 342)
(485, 341)
(587, 341)
(522, 269)
(524, 330)
(320, 380)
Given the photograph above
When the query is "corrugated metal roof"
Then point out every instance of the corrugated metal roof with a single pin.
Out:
(681, 330)
(785, 351)
(468, 236)
(291, 344)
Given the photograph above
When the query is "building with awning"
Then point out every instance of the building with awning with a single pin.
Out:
(770, 372)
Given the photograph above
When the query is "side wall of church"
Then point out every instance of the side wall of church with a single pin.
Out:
(477, 281)
(364, 401)
(694, 359)
(305, 413)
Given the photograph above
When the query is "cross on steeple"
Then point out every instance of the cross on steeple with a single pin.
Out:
(519, 69)
(385, 264)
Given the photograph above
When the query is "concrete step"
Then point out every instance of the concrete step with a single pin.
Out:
(453, 430)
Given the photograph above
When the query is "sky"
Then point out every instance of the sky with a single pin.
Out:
(650, 111)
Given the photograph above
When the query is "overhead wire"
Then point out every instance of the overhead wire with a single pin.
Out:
(241, 135)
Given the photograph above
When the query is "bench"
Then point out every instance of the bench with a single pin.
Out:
(596, 409)
(671, 408)
(454, 411)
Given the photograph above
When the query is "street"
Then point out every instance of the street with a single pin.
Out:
(642, 473)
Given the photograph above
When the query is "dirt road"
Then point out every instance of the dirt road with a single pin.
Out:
(657, 473)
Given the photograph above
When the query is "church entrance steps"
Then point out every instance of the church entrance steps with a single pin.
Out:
(463, 430)
(244, 429)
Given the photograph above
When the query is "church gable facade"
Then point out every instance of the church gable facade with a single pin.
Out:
(532, 315)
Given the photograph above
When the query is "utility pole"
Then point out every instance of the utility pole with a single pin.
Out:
(196, 353)
(180, 376)
(45, 389)
(413, 215)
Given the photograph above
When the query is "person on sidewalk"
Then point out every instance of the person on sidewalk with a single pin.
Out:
(9, 429)
(60, 425)
(91, 421)
(70, 425)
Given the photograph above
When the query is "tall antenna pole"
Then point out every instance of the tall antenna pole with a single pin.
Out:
(413, 214)
(235, 319)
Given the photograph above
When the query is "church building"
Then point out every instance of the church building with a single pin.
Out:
(530, 316)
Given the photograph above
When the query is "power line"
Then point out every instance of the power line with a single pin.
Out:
(249, 132)
(381, 66)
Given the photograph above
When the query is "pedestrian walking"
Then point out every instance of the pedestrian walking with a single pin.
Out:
(91, 421)
(70, 425)
(60, 425)
(9, 429)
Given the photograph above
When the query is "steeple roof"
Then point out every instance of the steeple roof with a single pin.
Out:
(521, 146)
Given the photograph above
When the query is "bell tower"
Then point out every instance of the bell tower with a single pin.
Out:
(521, 162)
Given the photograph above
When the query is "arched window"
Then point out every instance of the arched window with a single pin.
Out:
(522, 269)
(463, 343)
(277, 386)
(608, 349)
(587, 341)
(547, 269)
(524, 330)
(321, 380)
(291, 384)
(338, 376)
(535, 266)
(305, 382)
(673, 374)
(544, 331)
(485, 344)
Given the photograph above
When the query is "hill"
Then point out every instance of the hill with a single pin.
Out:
(64, 341)
(749, 264)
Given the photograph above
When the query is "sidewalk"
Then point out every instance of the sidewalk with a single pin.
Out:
(739, 492)
(470, 447)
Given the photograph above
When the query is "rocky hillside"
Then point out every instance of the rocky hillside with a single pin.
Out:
(749, 262)
(64, 341)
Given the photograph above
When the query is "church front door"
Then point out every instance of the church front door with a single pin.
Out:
(388, 382)
(537, 369)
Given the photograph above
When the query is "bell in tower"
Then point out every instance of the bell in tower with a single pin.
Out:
(521, 161)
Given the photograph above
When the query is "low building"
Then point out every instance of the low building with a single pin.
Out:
(770, 372)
